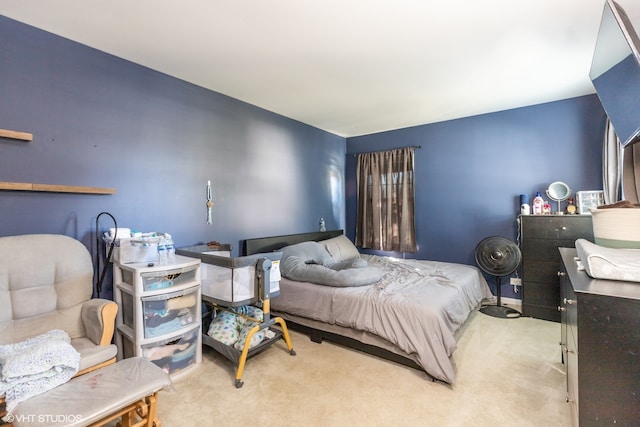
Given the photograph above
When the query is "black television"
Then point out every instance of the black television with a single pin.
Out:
(615, 72)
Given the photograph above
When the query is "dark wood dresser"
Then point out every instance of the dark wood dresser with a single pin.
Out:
(600, 339)
(540, 238)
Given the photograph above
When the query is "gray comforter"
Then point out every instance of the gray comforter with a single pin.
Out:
(418, 306)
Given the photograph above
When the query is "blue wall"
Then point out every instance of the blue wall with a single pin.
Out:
(101, 121)
(470, 172)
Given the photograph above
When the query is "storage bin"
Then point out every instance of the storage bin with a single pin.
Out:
(166, 279)
(616, 227)
(132, 250)
(175, 354)
(169, 312)
(159, 278)
(587, 200)
(232, 281)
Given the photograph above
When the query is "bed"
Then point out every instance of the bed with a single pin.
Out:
(405, 310)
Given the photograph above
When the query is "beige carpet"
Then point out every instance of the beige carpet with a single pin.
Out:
(508, 374)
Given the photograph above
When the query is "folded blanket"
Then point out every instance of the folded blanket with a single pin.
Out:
(185, 301)
(601, 262)
(38, 364)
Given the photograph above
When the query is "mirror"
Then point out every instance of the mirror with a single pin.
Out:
(558, 191)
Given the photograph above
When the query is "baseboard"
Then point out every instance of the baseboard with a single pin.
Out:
(513, 303)
(509, 302)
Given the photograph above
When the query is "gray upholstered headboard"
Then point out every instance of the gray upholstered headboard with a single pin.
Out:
(270, 244)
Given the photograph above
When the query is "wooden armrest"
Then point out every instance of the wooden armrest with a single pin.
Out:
(99, 317)
(108, 313)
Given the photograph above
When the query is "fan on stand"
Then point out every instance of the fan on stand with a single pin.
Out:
(499, 257)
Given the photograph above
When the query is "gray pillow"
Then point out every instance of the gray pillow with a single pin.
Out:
(310, 262)
(341, 248)
(309, 252)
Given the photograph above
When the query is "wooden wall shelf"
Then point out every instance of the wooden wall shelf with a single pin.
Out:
(23, 136)
(51, 188)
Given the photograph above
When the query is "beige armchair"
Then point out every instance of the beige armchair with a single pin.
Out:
(46, 282)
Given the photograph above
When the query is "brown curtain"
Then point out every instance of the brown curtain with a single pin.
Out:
(386, 201)
(631, 173)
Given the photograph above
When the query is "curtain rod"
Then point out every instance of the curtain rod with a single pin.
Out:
(391, 149)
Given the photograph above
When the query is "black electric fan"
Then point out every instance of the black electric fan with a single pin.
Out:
(499, 257)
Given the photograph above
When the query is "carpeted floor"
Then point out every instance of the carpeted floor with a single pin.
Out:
(509, 373)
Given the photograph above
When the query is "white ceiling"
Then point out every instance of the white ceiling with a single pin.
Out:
(350, 67)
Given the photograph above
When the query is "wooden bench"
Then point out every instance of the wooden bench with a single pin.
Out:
(127, 390)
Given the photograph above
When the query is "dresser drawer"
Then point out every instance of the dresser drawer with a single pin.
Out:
(175, 354)
(170, 312)
(544, 249)
(155, 280)
(557, 226)
(540, 238)
(570, 304)
(539, 312)
(571, 358)
(544, 294)
(541, 271)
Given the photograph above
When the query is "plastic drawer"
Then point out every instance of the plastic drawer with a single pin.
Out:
(173, 355)
(587, 200)
(170, 312)
(155, 280)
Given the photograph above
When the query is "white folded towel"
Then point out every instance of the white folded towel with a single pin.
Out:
(123, 233)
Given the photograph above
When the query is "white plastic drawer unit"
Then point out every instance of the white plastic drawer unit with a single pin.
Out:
(232, 281)
(165, 279)
(170, 312)
(175, 354)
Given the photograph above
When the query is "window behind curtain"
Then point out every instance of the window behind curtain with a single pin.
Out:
(386, 200)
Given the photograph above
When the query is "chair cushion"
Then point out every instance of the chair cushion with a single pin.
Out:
(91, 354)
(44, 280)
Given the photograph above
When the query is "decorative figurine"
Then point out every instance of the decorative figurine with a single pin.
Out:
(209, 202)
